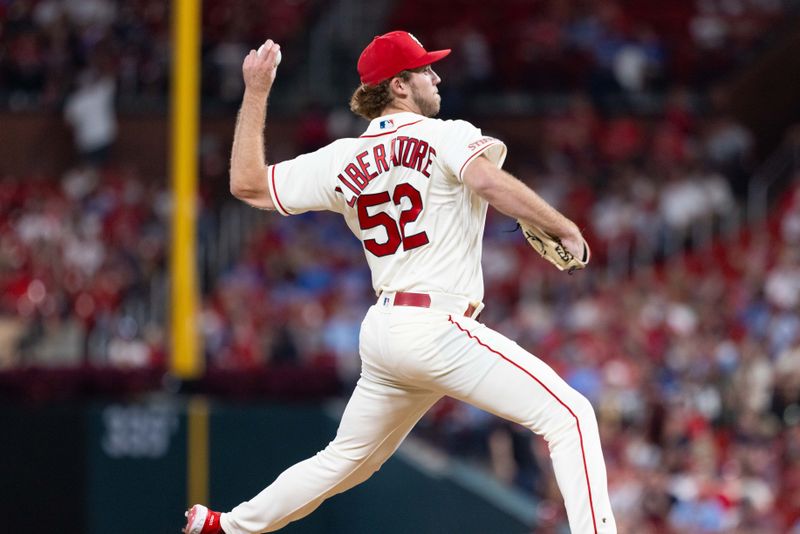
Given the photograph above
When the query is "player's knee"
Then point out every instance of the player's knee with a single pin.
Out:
(583, 408)
(582, 416)
(578, 412)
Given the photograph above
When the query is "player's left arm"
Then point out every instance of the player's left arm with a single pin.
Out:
(515, 199)
(248, 170)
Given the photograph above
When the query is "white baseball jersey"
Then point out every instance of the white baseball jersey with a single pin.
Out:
(399, 187)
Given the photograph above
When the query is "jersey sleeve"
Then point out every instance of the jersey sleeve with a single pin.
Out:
(304, 184)
(463, 142)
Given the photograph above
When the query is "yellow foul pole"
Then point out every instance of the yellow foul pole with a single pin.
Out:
(197, 451)
(186, 361)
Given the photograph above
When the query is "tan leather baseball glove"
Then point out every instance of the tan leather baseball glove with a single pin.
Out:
(550, 248)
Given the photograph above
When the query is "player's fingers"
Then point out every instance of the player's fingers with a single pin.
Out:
(248, 59)
(276, 50)
(264, 49)
(268, 52)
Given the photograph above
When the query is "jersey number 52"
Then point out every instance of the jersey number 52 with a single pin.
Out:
(395, 230)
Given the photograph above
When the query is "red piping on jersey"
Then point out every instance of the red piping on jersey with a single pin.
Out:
(481, 151)
(274, 190)
(393, 131)
(577, 422)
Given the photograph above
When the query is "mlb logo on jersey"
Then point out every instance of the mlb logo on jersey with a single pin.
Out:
(388, 123)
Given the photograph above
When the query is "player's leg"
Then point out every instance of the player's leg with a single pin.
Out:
(514, 384)
(377, 419)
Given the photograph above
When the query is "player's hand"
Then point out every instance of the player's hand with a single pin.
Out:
(259, 70)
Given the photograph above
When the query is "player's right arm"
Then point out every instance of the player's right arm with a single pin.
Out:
(513, 198)
(248, 171)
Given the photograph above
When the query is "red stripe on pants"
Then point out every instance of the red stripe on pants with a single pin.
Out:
(577, 421)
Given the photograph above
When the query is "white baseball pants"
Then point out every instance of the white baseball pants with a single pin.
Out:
(411, 357)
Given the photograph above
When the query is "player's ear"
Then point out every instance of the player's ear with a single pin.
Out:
(398, 86)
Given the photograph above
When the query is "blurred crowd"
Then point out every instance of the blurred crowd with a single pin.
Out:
(543, 45)
(80, 261)
(627, 177)
(607, 47)
(47, 45)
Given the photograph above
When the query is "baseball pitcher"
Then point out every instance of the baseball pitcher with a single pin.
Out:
(414, 190)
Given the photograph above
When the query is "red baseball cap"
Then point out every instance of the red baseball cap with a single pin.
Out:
(391, 53)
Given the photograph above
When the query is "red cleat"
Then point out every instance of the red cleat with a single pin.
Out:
(201, 520)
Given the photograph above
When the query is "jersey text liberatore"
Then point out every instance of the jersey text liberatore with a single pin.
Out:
(400, 188)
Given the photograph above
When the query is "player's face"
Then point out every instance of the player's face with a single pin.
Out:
(424, 92)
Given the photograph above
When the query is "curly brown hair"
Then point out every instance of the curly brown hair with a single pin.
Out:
(369, 101)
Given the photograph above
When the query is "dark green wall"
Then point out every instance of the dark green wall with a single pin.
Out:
(121, 469)
(42, 469)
